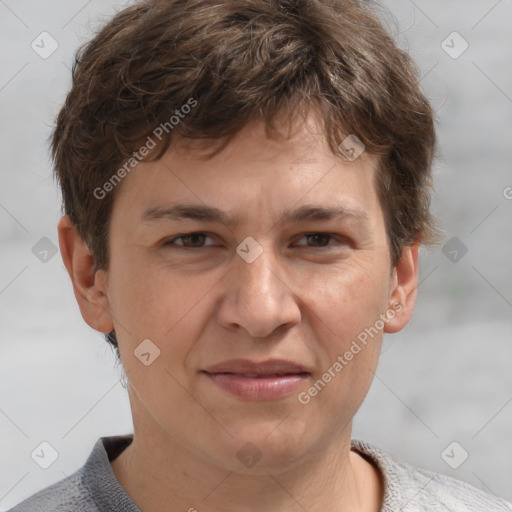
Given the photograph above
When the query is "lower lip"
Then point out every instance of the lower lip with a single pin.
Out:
(258, 388)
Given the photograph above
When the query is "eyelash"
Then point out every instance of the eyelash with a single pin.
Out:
(170, 242)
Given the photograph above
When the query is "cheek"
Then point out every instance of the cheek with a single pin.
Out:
(348, 300)
(148, 297)
(347, 332)
(167, 306)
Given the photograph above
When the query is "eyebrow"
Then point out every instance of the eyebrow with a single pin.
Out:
(205, 213)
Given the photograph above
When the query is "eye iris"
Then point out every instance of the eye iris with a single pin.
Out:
(194, 236)
(317, 236)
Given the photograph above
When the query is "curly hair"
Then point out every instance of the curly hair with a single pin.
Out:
(241, 61)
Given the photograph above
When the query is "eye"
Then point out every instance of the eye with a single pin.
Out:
(189, 240)
(196, 240)
(320, 239)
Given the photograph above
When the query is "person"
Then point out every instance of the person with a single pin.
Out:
(246, 186)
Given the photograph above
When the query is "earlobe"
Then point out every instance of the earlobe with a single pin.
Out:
(89, 286)
(404, 290)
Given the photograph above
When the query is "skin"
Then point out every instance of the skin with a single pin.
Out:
(300, 300)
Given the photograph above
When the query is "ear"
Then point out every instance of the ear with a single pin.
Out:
(404, 289)
(89, 286)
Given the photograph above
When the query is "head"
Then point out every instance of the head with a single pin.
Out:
(259, 109)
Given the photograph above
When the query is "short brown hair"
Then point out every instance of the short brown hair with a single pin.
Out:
(242, 61)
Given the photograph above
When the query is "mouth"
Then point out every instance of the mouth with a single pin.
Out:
(259, 381)
(258, 376)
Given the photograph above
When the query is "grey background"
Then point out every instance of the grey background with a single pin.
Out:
(445, 378)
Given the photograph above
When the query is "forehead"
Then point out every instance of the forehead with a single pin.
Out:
(297, 177)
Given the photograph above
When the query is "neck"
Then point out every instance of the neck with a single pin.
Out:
(160, 474)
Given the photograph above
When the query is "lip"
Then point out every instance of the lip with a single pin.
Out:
(268, 367)
(252, 380)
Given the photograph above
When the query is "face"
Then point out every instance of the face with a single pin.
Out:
(265, 324)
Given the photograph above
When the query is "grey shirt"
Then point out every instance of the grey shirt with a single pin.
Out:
(94, 487)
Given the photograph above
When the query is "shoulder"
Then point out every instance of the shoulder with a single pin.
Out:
(419, 490)
(90, 489)
(65, 495)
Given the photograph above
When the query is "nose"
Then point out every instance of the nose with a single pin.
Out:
(259, 297)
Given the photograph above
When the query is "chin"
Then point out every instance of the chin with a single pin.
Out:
(260, 449)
